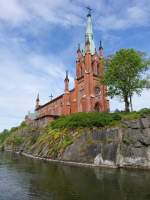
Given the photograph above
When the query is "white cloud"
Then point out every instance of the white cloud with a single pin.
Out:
(109, 16)
(25, 71)
(23, 74)
(12, 11)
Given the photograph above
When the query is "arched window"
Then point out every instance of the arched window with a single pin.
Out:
(97, 91)
(97, 107)
(82, 71)
(98, 70)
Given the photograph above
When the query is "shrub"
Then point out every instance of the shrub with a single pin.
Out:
(144, 111)
(81, 120)
(23, 124)
(4, 135)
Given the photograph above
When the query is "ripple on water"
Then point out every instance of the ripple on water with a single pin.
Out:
(25, 179)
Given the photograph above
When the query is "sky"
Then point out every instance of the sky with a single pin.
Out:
(38, 43)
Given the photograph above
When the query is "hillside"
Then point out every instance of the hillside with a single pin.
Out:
(109, 139)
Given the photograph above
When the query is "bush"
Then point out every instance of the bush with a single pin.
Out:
(23, 124)
(81, 120)
(144, 111)
(3, 136)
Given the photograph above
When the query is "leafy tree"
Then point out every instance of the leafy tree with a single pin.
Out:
(125, 75)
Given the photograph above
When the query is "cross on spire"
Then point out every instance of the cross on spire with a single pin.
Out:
(89, 10)
(51, 97)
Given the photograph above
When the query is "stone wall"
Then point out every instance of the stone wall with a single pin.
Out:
(115, 147)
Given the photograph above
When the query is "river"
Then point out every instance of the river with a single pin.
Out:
(22, 178)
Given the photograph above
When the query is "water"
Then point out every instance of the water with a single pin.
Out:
(25, 179)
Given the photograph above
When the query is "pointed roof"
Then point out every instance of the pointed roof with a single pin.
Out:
(89, 33)
(67, 78)
(38, 98)
(100, 45)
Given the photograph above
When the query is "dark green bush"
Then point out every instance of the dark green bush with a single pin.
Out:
(79, 120)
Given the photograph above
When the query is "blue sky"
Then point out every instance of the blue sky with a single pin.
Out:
(38, 42)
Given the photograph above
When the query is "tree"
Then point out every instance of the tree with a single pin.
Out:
(125, 75)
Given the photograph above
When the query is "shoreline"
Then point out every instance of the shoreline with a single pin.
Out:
(67, 163)
(78, 164)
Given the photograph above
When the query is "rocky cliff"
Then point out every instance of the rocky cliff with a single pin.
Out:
(127, 145)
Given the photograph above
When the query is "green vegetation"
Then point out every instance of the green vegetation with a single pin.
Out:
(3, 136)
(55, 141)
(52, 140)
(89, 120)
(124, 76)
(14, 139)
(12, 136)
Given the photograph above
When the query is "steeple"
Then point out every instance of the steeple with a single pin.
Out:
(100, 45)
(101, 53)
(78, 50)
(89, 33)
(66, 82)
(79, 53)
(37, 102)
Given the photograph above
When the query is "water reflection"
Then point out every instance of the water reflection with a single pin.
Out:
(22, 179)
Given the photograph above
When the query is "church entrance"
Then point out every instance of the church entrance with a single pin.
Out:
(97, 107)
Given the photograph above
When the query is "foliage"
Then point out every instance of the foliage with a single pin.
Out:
(56, 141)
(52, 140)
(124, 75)
(11, 135)
(3, 136)
(14, 140)
(130, 116)
(144, 111)
(23, 124)
(80, 120)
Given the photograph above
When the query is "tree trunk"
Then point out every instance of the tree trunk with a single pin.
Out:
(127, 104)
(131, 105)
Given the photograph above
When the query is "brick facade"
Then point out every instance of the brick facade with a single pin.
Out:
(89, 94)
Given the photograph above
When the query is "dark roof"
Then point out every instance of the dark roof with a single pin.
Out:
(44, 116)
(72, 90)
(53, 100)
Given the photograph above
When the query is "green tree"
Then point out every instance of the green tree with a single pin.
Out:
(125, 75)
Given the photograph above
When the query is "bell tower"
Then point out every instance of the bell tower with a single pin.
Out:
(91, 94)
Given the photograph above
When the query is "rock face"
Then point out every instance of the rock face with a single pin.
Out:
(115, 147)
(128, 146)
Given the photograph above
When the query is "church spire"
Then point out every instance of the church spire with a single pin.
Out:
(101, 53)
(66, 82)
(37, 102)
(89, 32)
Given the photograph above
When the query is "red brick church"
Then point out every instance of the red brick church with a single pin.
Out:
(88, 95)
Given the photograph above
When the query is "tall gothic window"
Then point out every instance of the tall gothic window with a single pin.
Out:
(97, 107)
(97, 91)
(82, 71)
(81, 93)
(98, 70)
